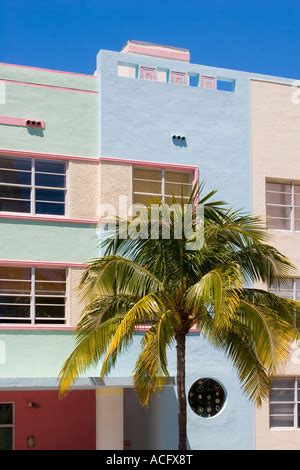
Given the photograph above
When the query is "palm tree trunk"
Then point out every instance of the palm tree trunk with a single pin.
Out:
(180, 338)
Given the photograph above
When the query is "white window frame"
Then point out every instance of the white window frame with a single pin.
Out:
(32, 187)
(292, 206)
(163, 171)
(13, 423)
(62, 321)
(296, 402)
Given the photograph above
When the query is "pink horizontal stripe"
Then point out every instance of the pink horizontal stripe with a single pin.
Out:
(47, 156)
(36, 264)
(47, 70)
(175, 166)
(9, 215)
(157, 51)
(52, 156)
(15, 121)
(39, 85)
(28, 327)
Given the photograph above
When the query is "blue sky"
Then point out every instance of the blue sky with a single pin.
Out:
(259, 36)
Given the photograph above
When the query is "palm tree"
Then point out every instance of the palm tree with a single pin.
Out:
(163, 284)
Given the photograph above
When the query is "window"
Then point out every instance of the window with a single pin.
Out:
(127, 70)
(160, 183)
(284, 402)
(206, 397)
(32, 186)
(226, 84)
(289, 289)
(208, 82)
(193, 79)
(32, 295)
(6, 426)
(283, 205)
(147, 73)
(162, 75)
(178, 78)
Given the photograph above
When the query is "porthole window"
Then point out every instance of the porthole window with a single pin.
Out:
(206, 397)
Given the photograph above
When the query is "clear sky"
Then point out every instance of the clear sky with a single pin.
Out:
(260, 35)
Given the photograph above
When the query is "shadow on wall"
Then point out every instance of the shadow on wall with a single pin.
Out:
(152, 428)
(35, 131)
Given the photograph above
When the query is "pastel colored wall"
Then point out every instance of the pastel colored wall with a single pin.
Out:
(275, 151)
(58, 424)
(139, 117)
(231, 429)
(137, 121)
(74, 301)
(83, 190)
(48, 77)
(115, 180)
(68, 129)
(275, 154)
(47, 241)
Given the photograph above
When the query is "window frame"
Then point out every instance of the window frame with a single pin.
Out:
(162, 181)
(33, 187)
(13, 421)
(292, 205)
(295, 402)
(32, 319)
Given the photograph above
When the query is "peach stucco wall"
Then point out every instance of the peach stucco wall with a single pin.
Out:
(275, 154)
(115, 181)
(83, 190)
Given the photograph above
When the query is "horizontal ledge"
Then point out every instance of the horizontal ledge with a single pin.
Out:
(24, 327)
(40, 69)
(46, 156)
(96, 160)
(67, 220)
(16, 327)
(53, 87)
(34, 263)
(82, 383)
(22, 122)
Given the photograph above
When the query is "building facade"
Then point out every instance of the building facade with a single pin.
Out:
(147, 122)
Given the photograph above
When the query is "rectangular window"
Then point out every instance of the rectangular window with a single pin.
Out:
(283, 205)
(208, 82)
(226, 84)
(289, 289)
(127, 70)
(6, 426)
(32, 186)
(147, 73)
(162, 75)
(152, 184)
(178, 78)
(193, 79)
(284, 402)
(32, 295)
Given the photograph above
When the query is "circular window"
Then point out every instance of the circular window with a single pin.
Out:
(206, 397)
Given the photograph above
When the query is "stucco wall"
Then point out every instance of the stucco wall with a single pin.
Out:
(47, 241)
(83, 190)
(231, 429)
(115, 181)
(275, 154)
(75, 303)
(67, 424)
(139, 117)
(70, 119)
